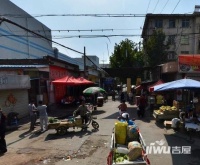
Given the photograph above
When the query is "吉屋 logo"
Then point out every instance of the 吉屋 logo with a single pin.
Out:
(158, 147)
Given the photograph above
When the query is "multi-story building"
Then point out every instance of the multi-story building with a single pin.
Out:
(183, 33)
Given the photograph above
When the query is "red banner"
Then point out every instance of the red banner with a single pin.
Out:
(189, 63)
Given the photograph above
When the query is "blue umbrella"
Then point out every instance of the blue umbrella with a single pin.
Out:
(178, 84)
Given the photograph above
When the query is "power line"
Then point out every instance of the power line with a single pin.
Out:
(148, 6)
(75, 15)
(155, 6)
(164, 6)
(2, 19)
(83, 30)
(87, 36)
(176, 6)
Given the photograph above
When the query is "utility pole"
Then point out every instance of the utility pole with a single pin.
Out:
(84, 60)
(103, 62)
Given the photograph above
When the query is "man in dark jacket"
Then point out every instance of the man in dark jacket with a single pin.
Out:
(3, 147)
(142, 103)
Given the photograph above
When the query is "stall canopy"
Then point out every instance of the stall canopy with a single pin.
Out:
(151, 87)
(70, 80)
(178, 84)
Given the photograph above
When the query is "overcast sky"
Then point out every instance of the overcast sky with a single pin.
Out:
(103, 47)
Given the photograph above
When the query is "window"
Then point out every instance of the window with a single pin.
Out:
(184, 40)
(171, 39)
(172, 23)
(185, 23)
(158, 23)
(171, 55)
(184, 52)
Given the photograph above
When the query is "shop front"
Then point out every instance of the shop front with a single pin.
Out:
(14, 93)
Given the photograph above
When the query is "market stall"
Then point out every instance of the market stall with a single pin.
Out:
(184, 90)
(167, 112)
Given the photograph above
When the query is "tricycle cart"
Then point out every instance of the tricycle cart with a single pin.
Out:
(114, 156)
(61, 126)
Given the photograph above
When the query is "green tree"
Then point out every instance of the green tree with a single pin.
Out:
(156, 49)
(126, 54)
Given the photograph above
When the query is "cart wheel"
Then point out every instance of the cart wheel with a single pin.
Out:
(95, 125)
(61, 130)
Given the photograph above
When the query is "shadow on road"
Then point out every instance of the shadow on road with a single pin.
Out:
(69, 135)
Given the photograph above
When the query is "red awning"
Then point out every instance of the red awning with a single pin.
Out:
(84, 81)
(70, 80)
(151, 87)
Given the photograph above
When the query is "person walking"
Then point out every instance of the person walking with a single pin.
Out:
(42, 109)
(142, 103)
(3, 147)
(122, 107)
(33, 115)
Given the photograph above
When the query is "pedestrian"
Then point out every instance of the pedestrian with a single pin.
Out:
(82, 111)
(122, 107)
(113, 95)
(33, 114)
(42, 109)
(130, 96)
(142, 103)
(3, 147)
(159, 100)
(122, 96)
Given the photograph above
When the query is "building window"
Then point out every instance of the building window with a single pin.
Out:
(172, 23)
(185, 23)
(184, 40)
(171, 55)
(171, 39)
(158, 23)
(184, 52)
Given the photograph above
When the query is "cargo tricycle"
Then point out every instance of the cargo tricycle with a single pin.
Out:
(61, 126)
(120, 154)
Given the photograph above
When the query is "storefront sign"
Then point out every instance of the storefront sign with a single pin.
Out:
(57, 72)
(189, 63)
(14, 82)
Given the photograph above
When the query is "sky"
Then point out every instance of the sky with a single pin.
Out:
(72, 18)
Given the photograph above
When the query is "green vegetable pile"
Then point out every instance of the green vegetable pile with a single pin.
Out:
(119, 157)
(52, 120)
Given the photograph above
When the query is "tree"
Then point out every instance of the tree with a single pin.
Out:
(156, 49)
(126, 54)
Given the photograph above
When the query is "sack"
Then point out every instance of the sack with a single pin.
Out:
(132, 133)
(122, 150)
(135, 150)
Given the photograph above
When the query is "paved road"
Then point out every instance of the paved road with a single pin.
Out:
(89, 148)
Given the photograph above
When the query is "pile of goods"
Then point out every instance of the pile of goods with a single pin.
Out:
(166, 110)
(127, 142)
(52, 120)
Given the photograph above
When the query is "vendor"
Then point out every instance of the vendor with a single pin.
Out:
(82, 111)
(191, 116)
(159, 100)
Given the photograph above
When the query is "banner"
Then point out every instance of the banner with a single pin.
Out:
(189, 63)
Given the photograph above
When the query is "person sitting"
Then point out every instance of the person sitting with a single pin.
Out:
(82, 111)
(124, 116)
